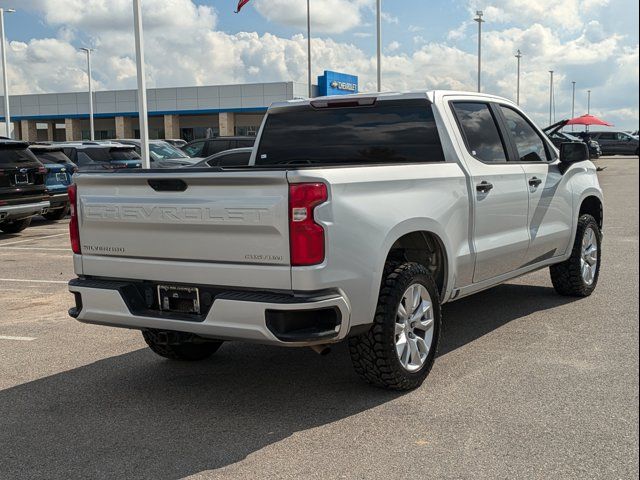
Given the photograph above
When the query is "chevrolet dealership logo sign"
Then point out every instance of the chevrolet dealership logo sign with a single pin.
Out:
(349, 87)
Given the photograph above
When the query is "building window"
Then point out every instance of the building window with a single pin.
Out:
(194, 133)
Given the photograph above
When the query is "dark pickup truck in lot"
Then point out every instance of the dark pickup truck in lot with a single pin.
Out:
(59, 172)
(22, 186)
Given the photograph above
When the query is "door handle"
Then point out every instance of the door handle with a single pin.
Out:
(535, 182)
(484, 187)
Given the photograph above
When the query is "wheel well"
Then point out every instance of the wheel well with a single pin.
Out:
(592, 206)
(424, 248)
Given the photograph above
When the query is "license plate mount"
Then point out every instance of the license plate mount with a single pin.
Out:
(179, 299)
(22, 178)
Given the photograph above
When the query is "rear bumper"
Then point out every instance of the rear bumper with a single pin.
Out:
(58, 200)
(259, 317)
(16, 212)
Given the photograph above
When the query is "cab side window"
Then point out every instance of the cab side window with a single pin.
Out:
(480, 131)
(530, 146)
(194, 149)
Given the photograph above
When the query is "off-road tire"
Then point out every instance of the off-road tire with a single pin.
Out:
(567, 276)
(58, 214)
(15, 226)
(373, 353)
(189, 351)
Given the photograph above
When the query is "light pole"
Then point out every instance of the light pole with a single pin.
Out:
(550, 96)
(379, 46)
(573, 101)
(142, 88)
(518, 56)
(588, 101)
(480, 22)
(88, 52)
(5, 79)
(309, 48)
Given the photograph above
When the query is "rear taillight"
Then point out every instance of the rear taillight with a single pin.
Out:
(306, 237)
(74, 231)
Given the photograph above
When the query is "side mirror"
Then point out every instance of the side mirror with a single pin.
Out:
(572, 152)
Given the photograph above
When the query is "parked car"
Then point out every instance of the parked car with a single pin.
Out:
(209, 146)
(162, 154)
(236, 157)
(615, 143)
(22, 186)
(101, 156)
(59, 172)
(357, 218)
(557, 136)
(176, 142)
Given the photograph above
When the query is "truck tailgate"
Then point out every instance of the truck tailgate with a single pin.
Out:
(232, 224)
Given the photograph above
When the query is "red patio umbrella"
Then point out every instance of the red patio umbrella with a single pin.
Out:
(588, 120)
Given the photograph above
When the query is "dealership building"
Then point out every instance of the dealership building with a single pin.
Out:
(183, 112)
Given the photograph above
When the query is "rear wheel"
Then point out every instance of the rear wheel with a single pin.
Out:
(398, 351)
(578, 275)
(168, 345)
(15, 226)
(58, 214)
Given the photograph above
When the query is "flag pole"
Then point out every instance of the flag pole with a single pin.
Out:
(309, 47)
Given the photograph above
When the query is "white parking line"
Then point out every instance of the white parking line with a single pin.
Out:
(32, 239)
(23, 280)
(20, 339)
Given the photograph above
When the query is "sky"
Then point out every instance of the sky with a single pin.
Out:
(427, 44)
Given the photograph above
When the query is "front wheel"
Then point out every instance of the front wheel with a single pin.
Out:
(398, 351)
(578, 275)
(15, 226)
(162, 343)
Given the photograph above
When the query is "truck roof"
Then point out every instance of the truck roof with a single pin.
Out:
(431, 95)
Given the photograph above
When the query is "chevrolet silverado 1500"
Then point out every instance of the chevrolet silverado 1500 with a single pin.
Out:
(356, 218)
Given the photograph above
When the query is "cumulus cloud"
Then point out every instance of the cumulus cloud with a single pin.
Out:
(328, 16)
(187, 49)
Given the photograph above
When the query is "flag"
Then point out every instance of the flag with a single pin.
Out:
(241, 3)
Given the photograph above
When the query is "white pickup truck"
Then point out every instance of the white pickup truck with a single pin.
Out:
(356, 218)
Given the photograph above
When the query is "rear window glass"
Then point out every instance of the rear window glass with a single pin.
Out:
(110, 154)
(16, 156)
(398, 131)
(52, 157)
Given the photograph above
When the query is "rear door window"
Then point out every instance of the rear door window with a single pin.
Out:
(387, 132)
(480, 131)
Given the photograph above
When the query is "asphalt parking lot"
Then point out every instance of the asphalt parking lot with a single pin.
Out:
(528, 384)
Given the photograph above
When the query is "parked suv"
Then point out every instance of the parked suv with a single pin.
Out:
(209, 146)
(59, 172)
(22, 186)
(615, 143)
(101, 156)
(356, 218)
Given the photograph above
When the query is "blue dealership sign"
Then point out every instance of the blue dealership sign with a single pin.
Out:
(334, 83)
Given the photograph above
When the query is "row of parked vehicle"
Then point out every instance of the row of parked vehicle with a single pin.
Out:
(34, 178)
(599, 142)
